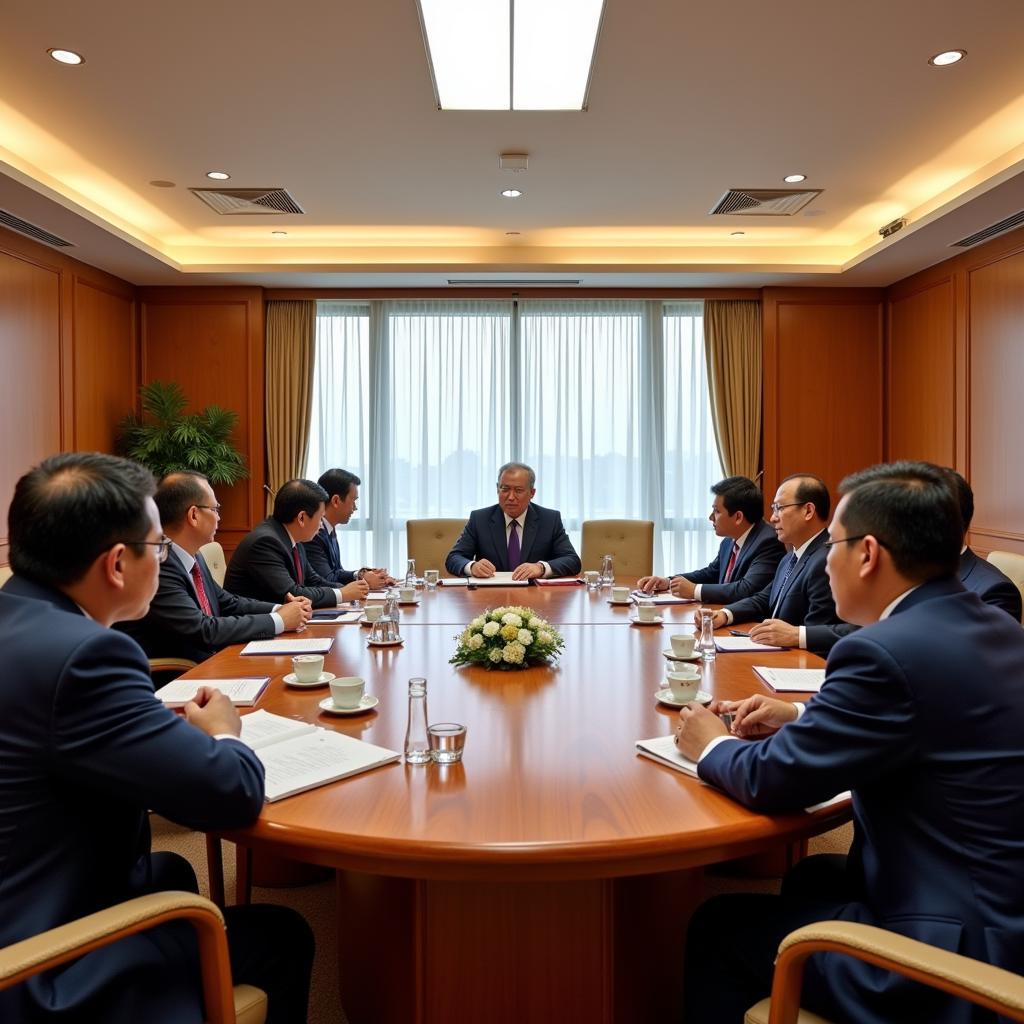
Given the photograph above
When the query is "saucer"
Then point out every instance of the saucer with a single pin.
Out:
(415, 600)
(656, 621)
(665, 697)
(621, 604)
(672, 656)
(385, 643)
(292, 680)
(368, 701)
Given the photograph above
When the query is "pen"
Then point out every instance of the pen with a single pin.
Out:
(737, 632)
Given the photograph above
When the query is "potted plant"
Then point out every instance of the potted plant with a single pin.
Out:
(165, 439)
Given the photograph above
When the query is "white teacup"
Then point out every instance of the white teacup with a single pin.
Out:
(407, 593)
(372, 612)
(308, 667)
(646, 612)
(683, 683)
(682, 644)
(347, 691)
(620, 594)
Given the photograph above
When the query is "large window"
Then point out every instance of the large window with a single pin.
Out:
(607, 400)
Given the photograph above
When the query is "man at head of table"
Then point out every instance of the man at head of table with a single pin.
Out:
(921, 717)
(795, 609)
(515, 535)
(747, 557)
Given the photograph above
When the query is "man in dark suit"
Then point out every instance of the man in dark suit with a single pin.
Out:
(921, 717)
(796, 609)
(747, 557)
(323, 553)
(192, 616)
(514, 535)
(977, 574)
(86, 749)
(270, 563)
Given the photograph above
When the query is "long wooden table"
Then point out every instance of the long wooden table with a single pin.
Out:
(548, 876)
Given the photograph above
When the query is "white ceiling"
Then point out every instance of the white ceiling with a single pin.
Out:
(333, 102)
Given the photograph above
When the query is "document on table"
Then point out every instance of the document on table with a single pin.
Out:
(639, 595)
(293, 647)
(499, 579)
(742, 643)
(329, 615)
(242, 692)
(792, 680)
(559, 581)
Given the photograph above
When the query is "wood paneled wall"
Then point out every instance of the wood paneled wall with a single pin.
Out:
(823, 382)
(210, 340)
(956, 360)
(68, 348)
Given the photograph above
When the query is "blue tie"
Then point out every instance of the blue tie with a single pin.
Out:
(791, 563)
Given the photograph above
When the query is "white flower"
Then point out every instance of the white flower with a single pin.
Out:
(544, 637)
(525, 637)
(513, 653)
(464, 636)
(494, 654)
(476, 641)
(491, 628)
(536, 623)
(478, 622)
(495, 616)
(511, 619)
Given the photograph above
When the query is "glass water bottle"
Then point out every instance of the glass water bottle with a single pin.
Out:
(417, 744)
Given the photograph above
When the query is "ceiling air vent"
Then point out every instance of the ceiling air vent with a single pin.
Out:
(991, 231)
(25, 228)
(229, 201)
(765, 202)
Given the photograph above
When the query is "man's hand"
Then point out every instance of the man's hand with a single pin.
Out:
(776, 632)
(304, 601)
(527, 571)
(696, 728)
(758, 715)
(718, 620)
(355, 591)
(682, 587)
(213, 713)
(652, 584)
(378, 579)
(483, 569)
(294, 614)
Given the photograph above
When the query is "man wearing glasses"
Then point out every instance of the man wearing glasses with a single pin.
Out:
(192, 616)
(86, 750)
(514, 535)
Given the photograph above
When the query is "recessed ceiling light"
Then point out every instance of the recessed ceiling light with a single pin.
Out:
(279, 232)
(737, 234)
(794, 178)
(947, 57)
(160, 183)
(65, 56)
(511, 193)
(218, 175)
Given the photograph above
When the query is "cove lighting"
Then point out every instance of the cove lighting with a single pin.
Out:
(66, 56)
(511, 54)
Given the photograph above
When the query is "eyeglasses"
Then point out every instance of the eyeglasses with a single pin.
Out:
(212, 508)
(848, 540)
(777, 508)
(163, 546)
(504, 490)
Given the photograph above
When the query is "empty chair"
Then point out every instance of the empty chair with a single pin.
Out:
(629, 541)
(430, 540)
(213, 554)
(6, 572)
(1012, 565)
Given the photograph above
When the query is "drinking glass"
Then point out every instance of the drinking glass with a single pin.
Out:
(593, 579)
(447, 740)
(430, 577)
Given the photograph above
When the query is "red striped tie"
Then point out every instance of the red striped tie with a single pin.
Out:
(732, 563)
(298, 564)
(197, 579)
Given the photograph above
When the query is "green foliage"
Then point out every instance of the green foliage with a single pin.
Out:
(165, 439)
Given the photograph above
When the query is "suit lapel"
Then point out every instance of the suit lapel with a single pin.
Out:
(800, 566)
(498, 538)
(724, 554)
(529, 533)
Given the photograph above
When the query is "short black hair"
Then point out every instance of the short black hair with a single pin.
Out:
(297, 496)
(811, 490)
(964, 496)
(740, 494)
(338, 482)
(177, 493)
(71, 508)
(911, 509)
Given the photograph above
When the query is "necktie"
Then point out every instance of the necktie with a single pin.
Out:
(732, 563)
(791, 560)
(298, 564)
(513, 545)
(197, 579)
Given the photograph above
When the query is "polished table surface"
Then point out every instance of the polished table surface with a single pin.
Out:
(529, 867)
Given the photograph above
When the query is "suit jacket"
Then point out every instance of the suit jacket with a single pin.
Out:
(921, 716)
(806, 600)
(544, 540)
(324, 556)
(262, 567)
(754, 569)
(85, 750)
(176, 627)
(990, 584)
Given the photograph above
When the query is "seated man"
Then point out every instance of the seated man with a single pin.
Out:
(747, 557)
(991, 585)
(921, 716)
(514, 535)
(86, 750)
(270, 563)
(796, 609)
(192, 616)
(322, 552)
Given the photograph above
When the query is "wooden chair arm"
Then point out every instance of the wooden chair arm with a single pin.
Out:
(170, 665)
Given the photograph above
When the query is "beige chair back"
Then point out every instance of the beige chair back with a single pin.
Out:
(629, 541)
(215, 560)
(6, 572)
(1012, 565)
(430, 540)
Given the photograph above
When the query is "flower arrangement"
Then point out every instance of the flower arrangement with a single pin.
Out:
(506, 638)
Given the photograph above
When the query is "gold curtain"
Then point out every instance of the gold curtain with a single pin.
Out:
(732, 350)
(291, 345)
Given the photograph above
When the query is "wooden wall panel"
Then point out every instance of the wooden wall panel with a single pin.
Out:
(823, 382)
(210, 340)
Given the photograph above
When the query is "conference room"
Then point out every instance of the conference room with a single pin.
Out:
(640, 248)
